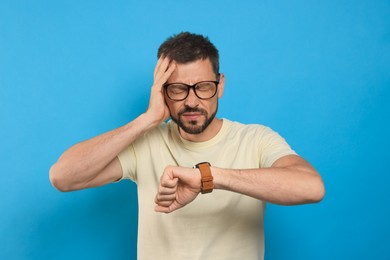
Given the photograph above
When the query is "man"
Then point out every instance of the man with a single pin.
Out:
(250, 164)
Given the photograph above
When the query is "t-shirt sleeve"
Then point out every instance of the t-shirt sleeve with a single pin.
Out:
(272, 147)
(127, 159)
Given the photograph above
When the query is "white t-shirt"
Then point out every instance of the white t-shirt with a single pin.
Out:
(219, 225)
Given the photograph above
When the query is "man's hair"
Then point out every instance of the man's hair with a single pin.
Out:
(187, 47)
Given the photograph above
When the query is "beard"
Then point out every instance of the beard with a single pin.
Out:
(193, 127)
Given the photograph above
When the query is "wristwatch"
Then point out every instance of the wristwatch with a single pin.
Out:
(207, 184)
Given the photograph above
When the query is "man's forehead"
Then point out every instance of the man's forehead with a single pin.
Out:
(192, 72)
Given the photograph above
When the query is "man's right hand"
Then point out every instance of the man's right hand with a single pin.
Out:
(158, 110)
(94, 162)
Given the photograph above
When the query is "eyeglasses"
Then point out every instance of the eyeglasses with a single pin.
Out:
(202, 89)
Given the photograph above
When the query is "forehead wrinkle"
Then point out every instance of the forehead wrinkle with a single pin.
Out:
(193, 72)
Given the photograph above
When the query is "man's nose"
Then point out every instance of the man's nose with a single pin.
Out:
(192, 100)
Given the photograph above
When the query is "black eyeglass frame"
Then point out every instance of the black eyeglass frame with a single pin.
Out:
(189, 87)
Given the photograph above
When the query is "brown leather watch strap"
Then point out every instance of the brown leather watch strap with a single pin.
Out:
(207, 184)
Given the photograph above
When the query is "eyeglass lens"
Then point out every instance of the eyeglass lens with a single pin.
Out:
(203, 90)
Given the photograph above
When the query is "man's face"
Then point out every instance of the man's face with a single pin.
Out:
(193, 115)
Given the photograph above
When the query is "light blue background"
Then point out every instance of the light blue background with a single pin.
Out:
(318, 72)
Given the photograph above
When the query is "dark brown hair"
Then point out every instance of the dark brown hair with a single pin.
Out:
(187, 47)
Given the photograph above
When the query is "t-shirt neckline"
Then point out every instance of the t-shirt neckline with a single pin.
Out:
(198, 145)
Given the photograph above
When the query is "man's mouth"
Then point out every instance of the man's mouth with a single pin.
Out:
(192, 116)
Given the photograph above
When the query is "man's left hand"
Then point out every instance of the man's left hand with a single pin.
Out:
(178, 187)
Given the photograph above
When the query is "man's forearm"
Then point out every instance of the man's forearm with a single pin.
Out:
(92, 163)
(84, 161)
(290, 181)
(288, 185)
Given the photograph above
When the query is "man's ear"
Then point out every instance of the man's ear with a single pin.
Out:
(221, 85)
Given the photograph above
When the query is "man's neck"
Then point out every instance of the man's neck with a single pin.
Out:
(211, 131)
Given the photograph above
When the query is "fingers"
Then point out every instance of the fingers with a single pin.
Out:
(178, 187)
(162, 209)
(162, 64)
(168, 73)
(166, 194)
(158, 109)
(167, 208)
(163, 70)
(168, 181)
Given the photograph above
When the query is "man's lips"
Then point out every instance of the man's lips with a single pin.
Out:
(192, 115)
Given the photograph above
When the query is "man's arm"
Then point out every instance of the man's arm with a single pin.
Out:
(94, 162)
(291, 180)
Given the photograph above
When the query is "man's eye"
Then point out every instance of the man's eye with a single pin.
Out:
(205, 86)
(177, 88)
